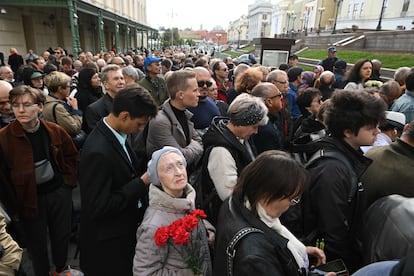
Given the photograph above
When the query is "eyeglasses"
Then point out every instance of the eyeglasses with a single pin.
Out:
(295, 200)
(275, 96)
(202, 83)
(4, 102)
(281, 82)
(25, 105)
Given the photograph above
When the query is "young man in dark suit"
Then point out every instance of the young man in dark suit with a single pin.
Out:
(113, 194)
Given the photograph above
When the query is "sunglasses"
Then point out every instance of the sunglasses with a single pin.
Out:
(202, 83)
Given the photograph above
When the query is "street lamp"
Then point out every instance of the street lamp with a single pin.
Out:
(218, 42)
(264, 23)
(338, 3)
(380, 18)
(238, 40)
(321, 10)
(288, 15)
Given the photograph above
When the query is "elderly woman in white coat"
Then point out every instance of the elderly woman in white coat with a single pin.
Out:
(170, 198)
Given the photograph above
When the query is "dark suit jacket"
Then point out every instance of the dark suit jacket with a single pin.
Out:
(97, 110)
(111, 193)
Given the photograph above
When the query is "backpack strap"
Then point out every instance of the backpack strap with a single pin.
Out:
(231, 251)
(322, 153)
(54, 112)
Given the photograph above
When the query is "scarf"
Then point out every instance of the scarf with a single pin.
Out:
(296, 247)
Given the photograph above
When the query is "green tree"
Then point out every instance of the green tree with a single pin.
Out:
(167, 37)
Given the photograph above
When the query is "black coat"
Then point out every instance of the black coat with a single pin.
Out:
(337, 220)
(97, 110)
(269, 136)
(111, 192)
(257, 253)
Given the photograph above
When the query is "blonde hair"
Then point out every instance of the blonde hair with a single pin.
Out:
(56, 79)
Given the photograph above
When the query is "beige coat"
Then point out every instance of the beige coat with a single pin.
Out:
(12, 252)
(72, 123)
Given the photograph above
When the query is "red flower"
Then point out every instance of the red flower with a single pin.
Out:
(180, 233)
(181, 236)
(199, 214)
(161, 236)
(190, 222)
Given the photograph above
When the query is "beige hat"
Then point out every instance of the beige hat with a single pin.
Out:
(395, 119)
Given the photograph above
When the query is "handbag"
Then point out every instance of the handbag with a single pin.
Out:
(79, 139)
(43, 171)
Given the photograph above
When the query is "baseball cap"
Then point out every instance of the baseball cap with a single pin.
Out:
(150, 59)
(332, 49)
(395, 119)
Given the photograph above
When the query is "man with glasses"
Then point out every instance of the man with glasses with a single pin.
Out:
(7, 74)
(6, 112)
(206, 109)
(152, 81)
(284, 120)
(269, 136)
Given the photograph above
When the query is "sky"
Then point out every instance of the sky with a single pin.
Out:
(193, 14)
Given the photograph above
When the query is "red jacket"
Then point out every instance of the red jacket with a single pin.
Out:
(17, 166)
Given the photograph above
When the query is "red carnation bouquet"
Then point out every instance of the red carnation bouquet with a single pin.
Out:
(179, 235)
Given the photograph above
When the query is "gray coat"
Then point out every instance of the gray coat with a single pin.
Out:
(165, 130)
(162, 211)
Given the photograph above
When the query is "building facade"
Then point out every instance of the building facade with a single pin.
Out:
(87, 25)
(293, 18)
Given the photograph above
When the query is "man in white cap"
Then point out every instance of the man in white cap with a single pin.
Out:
(391, 129)
(152, 81)
(391, 171)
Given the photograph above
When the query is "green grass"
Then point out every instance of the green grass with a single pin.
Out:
(389, 60)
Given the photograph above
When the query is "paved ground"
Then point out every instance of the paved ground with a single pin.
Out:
(72, 261)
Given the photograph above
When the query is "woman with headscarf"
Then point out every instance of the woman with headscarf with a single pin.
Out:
(170, 198)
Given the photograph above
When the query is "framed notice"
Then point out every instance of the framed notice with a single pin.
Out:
(274, 57)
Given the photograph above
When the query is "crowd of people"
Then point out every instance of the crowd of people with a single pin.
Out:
(195, 165)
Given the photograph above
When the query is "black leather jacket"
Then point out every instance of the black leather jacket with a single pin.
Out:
(390, 217)
(257, 253)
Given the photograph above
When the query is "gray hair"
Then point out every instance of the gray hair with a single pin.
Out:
(247, 110)
(389, 87)
(273, 75)
(107, 69)
(130, 72)
(401, 74)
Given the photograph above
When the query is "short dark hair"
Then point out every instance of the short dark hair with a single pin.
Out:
(273, 175)
(305, 99)
(352, 110)
(294, 73)
(166, 62)
(136, 100)
(409, 82)
(34, 93)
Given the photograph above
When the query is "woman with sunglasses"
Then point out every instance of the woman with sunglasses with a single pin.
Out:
(262, 194)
